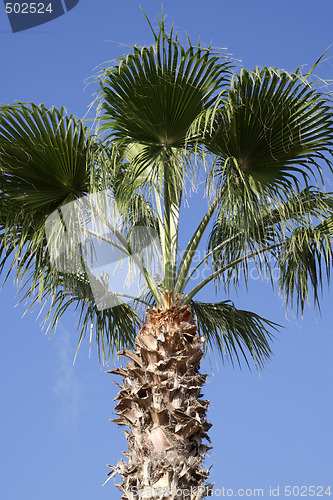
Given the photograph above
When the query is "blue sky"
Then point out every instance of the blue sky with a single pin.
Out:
(269, 430)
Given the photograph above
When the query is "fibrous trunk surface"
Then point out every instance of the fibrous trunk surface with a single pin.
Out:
(160, 403)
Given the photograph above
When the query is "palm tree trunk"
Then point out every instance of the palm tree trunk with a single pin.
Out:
(160, 402)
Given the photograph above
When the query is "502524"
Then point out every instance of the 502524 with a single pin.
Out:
(28, 8)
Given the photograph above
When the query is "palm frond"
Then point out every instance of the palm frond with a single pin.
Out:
(234, 332)
(306, 257)
(43, 155)
(270, 133)
(272, 223)
(111, 329)
(48, 160)
(276, 126)
(44, 163)
(152, 95)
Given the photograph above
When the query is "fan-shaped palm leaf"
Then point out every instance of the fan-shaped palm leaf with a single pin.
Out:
(153, 95)
(43, 164)
(43, 156)
(275, 125)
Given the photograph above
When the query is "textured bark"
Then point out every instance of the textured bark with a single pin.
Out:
(160, 403)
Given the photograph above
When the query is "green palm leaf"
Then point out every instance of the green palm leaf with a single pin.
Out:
(43, 156)
(233, 237)
(112, 329)
(153, 94)
(43, 164)
(275, 126)
(46, 161)
(234, 332)
(301, 253)
(305, 258)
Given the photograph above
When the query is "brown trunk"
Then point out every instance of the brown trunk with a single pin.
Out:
(160, 403)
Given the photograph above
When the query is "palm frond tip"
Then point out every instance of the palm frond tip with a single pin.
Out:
(235, 332)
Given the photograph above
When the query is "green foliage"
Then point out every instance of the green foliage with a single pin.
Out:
(265, 140)
(152, 95)
(273, 226)
(274, 125)
(46, 161)
(233, 331)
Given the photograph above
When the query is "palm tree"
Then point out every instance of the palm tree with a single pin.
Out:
(263, 139)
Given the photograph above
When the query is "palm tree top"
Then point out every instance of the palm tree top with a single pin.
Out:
(264, 141)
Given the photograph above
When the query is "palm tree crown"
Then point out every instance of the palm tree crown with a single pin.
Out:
(263, 139)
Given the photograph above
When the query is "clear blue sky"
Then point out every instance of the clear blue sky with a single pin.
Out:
(269, 430)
